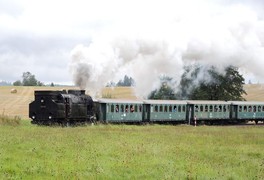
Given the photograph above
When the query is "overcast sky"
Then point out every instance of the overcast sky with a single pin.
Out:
(39, 35)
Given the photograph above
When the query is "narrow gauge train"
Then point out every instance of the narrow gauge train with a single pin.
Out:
(73, 107)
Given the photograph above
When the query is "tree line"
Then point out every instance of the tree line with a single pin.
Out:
(220, 86)
(28, 79)
(126, 81)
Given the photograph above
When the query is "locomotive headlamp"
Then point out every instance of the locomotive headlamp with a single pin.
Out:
(50, 117)
(33, 117)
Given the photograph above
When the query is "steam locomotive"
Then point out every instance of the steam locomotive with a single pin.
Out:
(75, 107)
(61, 107)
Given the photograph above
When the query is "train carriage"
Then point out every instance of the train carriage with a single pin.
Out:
(119, 111)
(208, 110)
(243, 111)
(164, 110)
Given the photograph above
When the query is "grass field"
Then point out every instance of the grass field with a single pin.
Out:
(131, 152)
(123, 151)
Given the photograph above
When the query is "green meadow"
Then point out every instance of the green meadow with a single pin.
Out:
(131, 152)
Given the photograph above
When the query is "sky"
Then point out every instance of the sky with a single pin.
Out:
(88, 42)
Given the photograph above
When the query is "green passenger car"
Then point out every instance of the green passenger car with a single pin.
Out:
(208, 110)
(118, 111)
(164, 110)
(247, 110)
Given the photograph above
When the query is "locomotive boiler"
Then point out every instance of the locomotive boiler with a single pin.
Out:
(61, 107)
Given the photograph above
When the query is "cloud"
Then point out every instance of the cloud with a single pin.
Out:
(40, 36)
(162, 43)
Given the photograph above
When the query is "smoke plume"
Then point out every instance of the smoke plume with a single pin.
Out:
(232, 35)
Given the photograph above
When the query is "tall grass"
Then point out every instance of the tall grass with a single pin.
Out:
(131, 152)
(9, 120)
(108, 96)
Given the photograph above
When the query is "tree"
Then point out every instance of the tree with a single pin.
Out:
(28, 79)
(40, 83)
(165, 91)
(213, 85)
(17, 83)
(127, 81)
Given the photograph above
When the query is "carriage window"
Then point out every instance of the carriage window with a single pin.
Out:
(262, 108)
(122, 108)
(215, 108)
(127, 108)
(174, 108)
(224, 108)
(132, 108)
(220, 108)
(201, 108)
(211, 108)
(245, 108)
(140, 108)
(170, 108)
(112, 108)
(254, 108)
(179, 108)
(249, 109)
(161, 108)
(117, 108)
(156, 108)
(165, 108)
(183, 108)
(196, 109)
(136, 108)
(206, 108)
(240, 109)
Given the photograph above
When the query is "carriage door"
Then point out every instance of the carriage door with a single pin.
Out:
(190, 113)
(146, 112)
(234, 111)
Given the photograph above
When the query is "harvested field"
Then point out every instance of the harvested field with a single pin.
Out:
(255, 92)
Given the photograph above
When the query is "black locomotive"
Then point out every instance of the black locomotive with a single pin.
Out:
(61, 107)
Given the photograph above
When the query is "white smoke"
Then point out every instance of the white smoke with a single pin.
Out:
(229, 36)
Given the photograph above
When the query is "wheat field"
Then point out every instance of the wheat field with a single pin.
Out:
(16, 104)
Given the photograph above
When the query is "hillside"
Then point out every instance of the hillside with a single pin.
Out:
(255, 92)
(17, 103)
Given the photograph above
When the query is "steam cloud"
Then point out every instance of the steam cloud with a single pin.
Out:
(232, 36)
